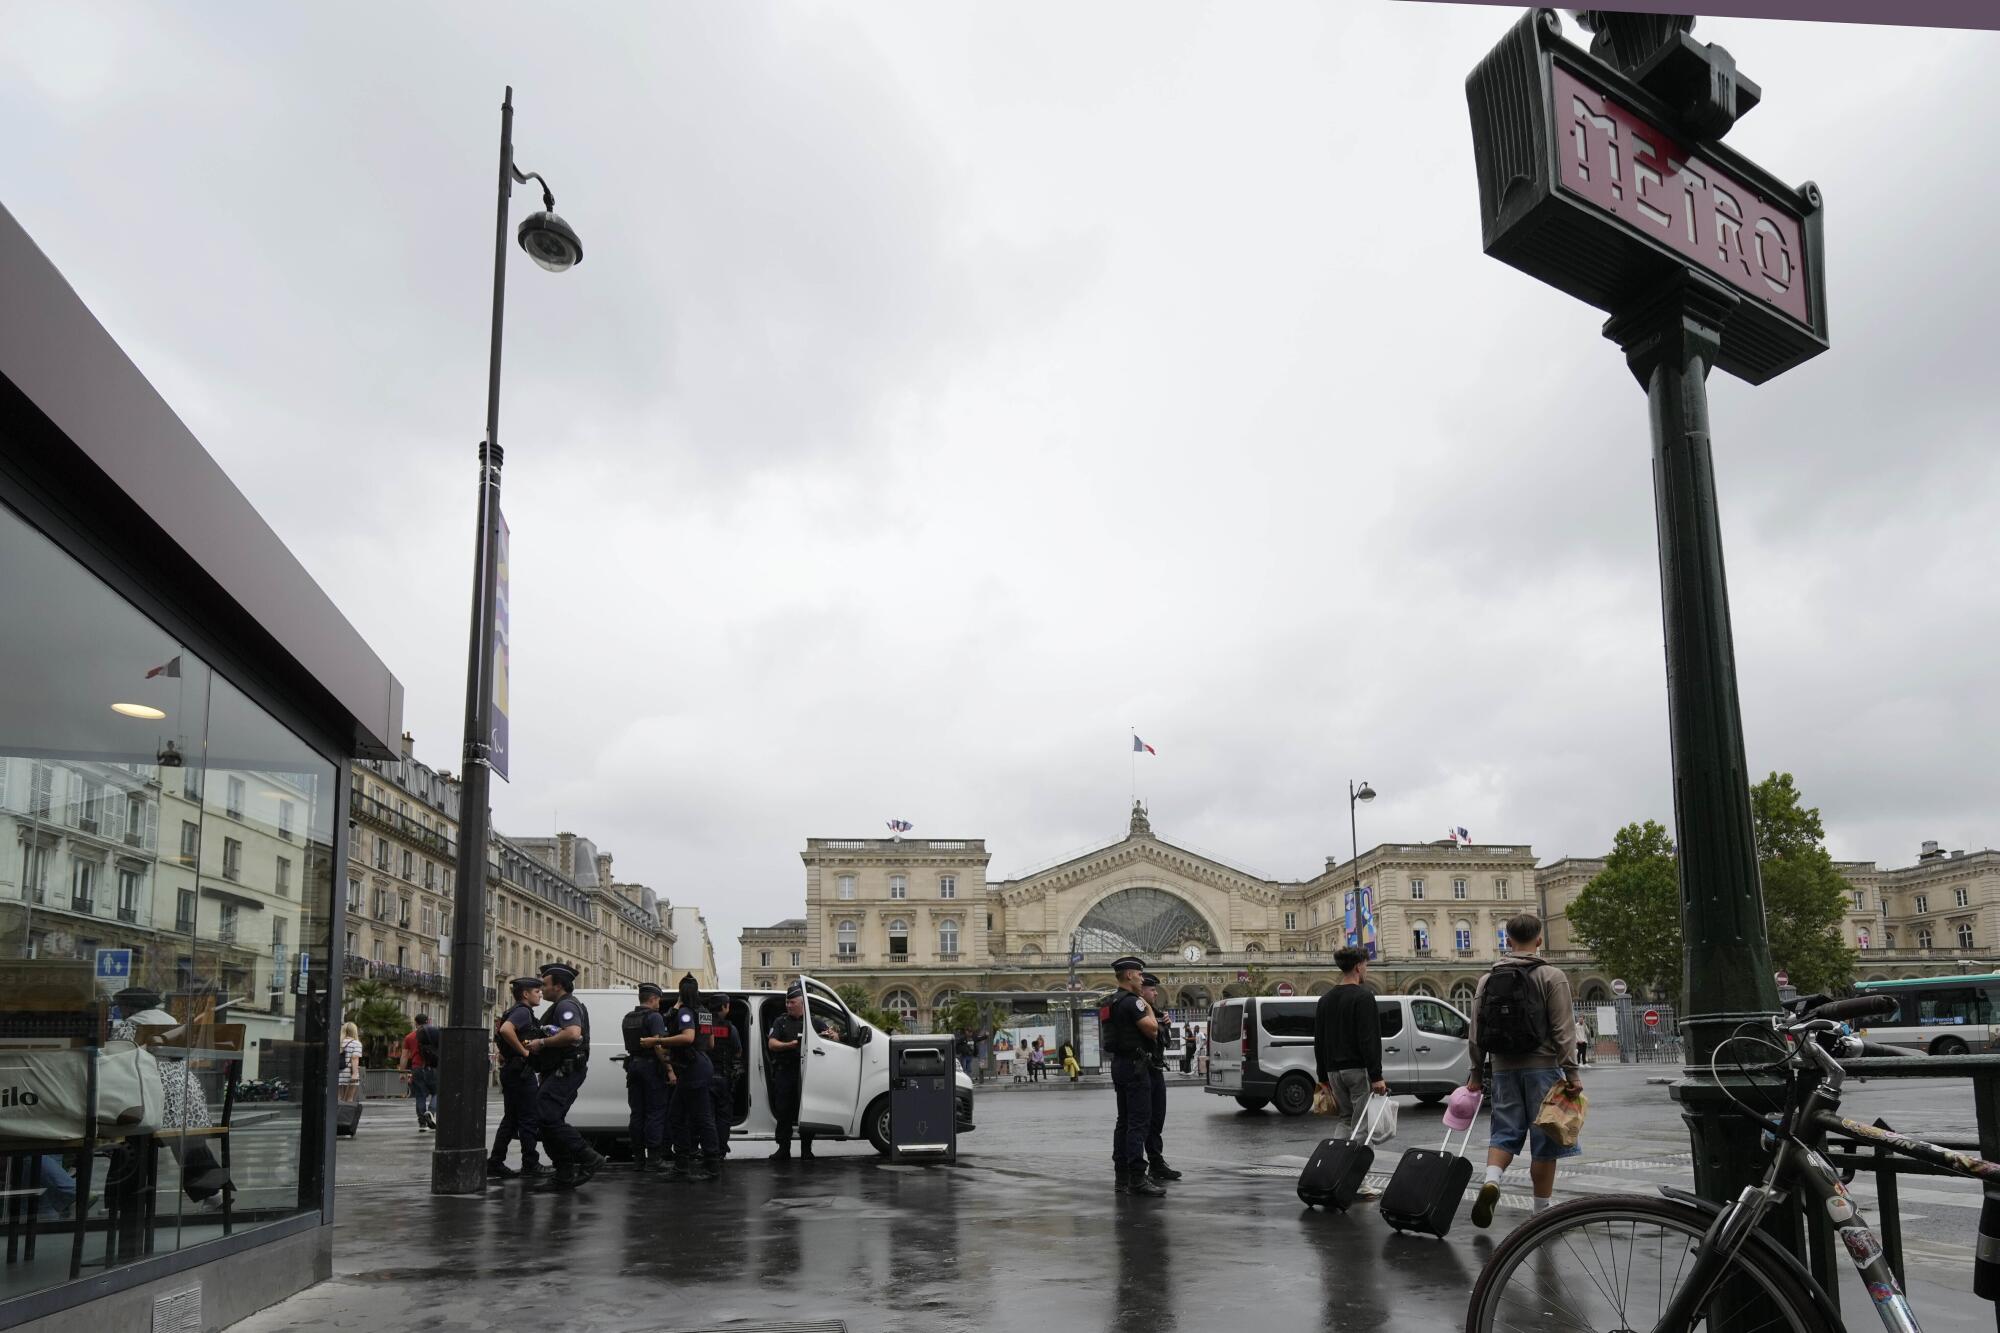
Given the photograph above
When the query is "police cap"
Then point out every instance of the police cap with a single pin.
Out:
(135, 998)
(562, 973)
(520, 984)
(795, 991)
(648, 988)
(1128, 964)
(1148, 979)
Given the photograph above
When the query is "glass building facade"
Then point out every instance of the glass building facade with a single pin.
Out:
(173, 766)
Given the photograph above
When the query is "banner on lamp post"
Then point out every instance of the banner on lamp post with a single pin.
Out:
(498, 739)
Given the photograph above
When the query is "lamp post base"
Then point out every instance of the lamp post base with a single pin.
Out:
(458, 1160)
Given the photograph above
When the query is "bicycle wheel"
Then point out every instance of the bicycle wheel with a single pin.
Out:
(1613, 1263)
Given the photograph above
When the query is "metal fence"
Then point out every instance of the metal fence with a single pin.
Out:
(1629, 1032)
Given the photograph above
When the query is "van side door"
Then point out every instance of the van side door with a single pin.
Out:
(1439, 1051)
(831, 1061)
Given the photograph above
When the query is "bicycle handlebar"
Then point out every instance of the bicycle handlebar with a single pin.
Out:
(1859, 1006)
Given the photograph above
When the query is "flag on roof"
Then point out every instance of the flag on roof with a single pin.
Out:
(900, 826)
(1138, 745)
(167, 668)
(1459, 835)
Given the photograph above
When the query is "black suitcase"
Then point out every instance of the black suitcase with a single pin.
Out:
(347, 1119)
(1427, 1187)
(1334, 1173)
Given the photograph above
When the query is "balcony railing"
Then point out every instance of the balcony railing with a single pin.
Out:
(367, 807)
(394, 974)
(80, 903)
(128, 914)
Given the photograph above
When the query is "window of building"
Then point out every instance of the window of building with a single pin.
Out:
(795, 958)
(899, 886)
(1961, 898)
(350, 944)
(232, 858)
(283, 880)
(233, 805)
(403, 912)
(847, 888)
(1458, 888)
(1500, 888)
(82, 884)
(278, 925)
(128, 895)
(1860, 899)
(402, 955)
(947, 886)
(378, 949)
(847, 940)
(1461, 935)
(381, 853)
(903, 1005)
(1965, 934)
(285, 820)
(763, 958)
(1416, 888)
(899, 938)
(190, 842)
(135, 820)
(184, 911)
(1420, 937)
(231, 914)
(353, 894)
(1888, 939)
(948, 939)
(1923, 937)
(1923, 902)
(1861, 937)
(430, 874)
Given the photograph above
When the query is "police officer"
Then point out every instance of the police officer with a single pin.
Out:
(691, 1112)
(519, 1088)
(1129, 1029)
(1156, 1068)
(646, 1077)
(787, 1036)
(725, 1052)
(562, 1056)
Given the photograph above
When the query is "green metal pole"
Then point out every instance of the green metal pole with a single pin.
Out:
(1670, 340)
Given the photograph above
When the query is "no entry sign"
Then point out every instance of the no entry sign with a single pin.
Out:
(1651, 1018)
(1285, 988)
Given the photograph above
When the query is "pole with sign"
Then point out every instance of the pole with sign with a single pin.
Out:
(1602, 173)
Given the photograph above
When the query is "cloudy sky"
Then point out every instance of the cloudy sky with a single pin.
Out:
(950, 389)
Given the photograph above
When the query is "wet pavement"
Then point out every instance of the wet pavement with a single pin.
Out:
(1023, 1233)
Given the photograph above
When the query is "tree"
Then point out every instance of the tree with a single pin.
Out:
(855, 997)
(381, 1020)
(1629, 915)
(1805, 897)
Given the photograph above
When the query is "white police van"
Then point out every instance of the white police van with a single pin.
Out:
(845, 1076)
(1261, 1050)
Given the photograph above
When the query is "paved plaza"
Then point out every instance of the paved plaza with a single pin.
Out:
(1024, 1233)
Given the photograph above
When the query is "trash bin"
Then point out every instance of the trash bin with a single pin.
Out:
(923, 1123)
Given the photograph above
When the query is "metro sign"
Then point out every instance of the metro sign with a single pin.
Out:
(1585, 183)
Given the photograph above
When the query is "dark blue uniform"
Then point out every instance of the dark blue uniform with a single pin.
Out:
(691, 1113)
(563, 1070)
(1131, 1080)
(725, 1054)
(781, 1073)
(645, 1081)
(518, 1091)
(1156, 1074)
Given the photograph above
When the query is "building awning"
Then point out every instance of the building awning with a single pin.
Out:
(239, 899)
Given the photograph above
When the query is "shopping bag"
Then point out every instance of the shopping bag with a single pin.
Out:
(44, 1095)
(1324, 1102)
(1561, 1115)
(1382, 1125)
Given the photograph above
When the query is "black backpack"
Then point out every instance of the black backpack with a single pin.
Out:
(1512, 1016)
(632, 1029)
(430, 1045)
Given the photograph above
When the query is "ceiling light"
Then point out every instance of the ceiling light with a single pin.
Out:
(147, 711)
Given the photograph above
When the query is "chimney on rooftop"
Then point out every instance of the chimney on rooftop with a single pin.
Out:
(1930, 852)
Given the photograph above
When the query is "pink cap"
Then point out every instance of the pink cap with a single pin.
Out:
(1462, 1109)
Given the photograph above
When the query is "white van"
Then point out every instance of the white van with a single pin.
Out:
(1261, 1050)
(845, 1091)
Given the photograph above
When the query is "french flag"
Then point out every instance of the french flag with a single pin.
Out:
(1459, 835)
(1138, 745)
(900, 826)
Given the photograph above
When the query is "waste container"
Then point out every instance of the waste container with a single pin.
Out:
(923, 1123)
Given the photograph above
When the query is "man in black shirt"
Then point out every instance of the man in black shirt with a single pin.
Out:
(726, 1054)
(691, 1113)
(784, 1042)
(1156, 1071)
(1347, 1036)
(518, 1087)
(646, 1078)
(1129, 1029)
(562, 1058)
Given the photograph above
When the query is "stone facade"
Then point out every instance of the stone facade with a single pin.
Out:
(772, 955)
(693, 950)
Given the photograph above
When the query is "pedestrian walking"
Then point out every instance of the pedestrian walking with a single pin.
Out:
(966, 1049)
(1129, 1027)
(1524, 1024)
(519, 1088)
(1583, 1038)
(691, 1111)
(350, 1063)
(422, 1052)
(786, 1044)
(1201, 1060)
(1156, 1070)
(726, 1054)
(1347, 1037)
(562, 1058)
(643, 1030)
(1069, 1062)
(1188, 1039)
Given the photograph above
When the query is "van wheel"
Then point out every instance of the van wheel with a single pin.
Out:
(1253, 1103)
(1430, 1098)
(1295, 1094)
(877, 1122)
(1948, 1046)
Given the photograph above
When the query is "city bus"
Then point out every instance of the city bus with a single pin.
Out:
(1942, 1015)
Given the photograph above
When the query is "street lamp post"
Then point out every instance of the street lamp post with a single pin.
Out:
(458, 1160)
(1361, 795)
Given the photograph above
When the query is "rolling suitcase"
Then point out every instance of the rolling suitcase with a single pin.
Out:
(347, 1119)
(1333, 1174)
(1428, 1186)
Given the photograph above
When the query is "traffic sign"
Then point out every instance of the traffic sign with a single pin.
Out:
(1243, 976)
(1783, 977)
(1618, 988)
(114, 964)
(1285, 988)
(1651, 1017)
(1075, 958)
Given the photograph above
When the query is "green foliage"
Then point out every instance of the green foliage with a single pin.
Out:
(1805, 897)
(855, 997)
(381, 1020)
(1629, 915)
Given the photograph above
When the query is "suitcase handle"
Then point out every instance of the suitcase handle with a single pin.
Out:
(1465, 1142)
(1359, 1133)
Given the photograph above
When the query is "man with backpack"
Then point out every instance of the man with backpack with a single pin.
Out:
(423, 1050)
(1523, 1024)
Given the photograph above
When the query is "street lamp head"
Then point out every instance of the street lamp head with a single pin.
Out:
(550, 241)
(1366, 794)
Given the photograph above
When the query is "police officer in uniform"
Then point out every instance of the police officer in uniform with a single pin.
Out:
(1129, 1029)
(519, 1088)
(691, 1112)
(725, 1052)
(562, 1057)
(646, 1078)
(1156, 1068)
(787, 1035)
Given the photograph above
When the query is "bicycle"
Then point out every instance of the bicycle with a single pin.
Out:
(1678, 1262)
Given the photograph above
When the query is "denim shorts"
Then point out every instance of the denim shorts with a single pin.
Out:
(1515, 1097)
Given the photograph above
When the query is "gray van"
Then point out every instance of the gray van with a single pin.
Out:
(1261, 1050)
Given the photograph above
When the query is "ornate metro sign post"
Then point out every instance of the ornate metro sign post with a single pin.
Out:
(1602, 173)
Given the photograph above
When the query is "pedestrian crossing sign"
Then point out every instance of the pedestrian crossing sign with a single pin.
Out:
(114, 965)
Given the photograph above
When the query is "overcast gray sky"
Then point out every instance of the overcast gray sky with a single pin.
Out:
(949, 389)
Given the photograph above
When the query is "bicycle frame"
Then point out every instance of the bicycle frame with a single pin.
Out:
(1796, 1163)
